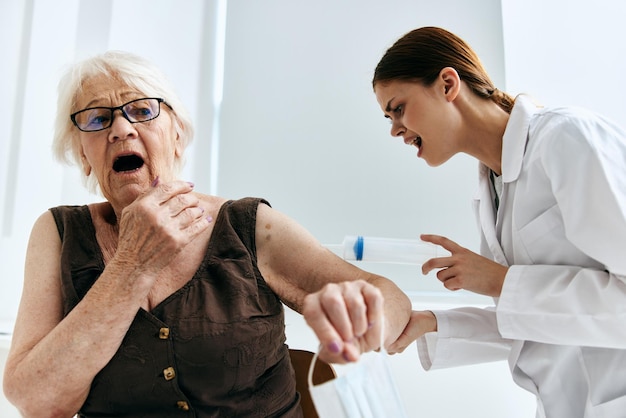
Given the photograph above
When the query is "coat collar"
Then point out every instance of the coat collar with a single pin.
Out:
(515, 137)
(513, 148)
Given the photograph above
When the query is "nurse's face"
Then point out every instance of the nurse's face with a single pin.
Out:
(126, 157)
(423, 116)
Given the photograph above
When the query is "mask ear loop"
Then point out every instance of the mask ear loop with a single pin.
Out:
(317, 353)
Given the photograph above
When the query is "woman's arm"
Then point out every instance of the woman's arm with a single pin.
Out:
(53, 360)
(345, 316)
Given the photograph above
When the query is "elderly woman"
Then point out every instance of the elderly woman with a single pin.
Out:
(161, 301)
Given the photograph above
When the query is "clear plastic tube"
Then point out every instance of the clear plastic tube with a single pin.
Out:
(386, 250)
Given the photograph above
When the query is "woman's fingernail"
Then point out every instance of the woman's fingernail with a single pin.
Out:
(333, 347)
(209, 219)
(190, 184)
(155, 182)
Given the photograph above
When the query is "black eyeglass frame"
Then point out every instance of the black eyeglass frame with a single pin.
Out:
(121, 109)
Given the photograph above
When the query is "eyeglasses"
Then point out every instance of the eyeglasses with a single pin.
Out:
(98, 118)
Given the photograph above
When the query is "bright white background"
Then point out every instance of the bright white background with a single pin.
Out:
(280, 92)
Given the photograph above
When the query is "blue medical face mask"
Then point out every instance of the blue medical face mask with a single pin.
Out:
(366, 390)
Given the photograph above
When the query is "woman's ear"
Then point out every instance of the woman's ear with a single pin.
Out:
(451, 83)
(179, 147)
(85, 164)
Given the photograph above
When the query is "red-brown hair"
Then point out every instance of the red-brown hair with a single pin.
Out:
(422, 53)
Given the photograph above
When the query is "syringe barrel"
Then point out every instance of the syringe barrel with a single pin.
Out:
(388, 250)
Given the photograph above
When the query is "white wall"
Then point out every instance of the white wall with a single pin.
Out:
(570, 53)
(299, 125)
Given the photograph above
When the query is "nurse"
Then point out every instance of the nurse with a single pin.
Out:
(551, 207)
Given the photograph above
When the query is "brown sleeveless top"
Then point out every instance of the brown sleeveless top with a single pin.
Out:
(214, 348)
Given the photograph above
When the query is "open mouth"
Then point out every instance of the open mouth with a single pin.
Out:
(126, 163)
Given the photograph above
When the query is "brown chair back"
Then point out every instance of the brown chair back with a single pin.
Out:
(323, 372)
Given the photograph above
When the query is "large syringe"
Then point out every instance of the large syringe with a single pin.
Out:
(386, 250)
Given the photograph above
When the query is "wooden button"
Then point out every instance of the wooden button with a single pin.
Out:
(164, 333)
(169, 373)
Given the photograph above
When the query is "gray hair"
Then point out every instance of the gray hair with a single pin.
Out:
(137, 73)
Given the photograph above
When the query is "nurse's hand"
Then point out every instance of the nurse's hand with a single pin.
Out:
(347, 319)
(419, 324)
(465, 269)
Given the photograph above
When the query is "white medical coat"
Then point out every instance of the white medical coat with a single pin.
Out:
(561, 228)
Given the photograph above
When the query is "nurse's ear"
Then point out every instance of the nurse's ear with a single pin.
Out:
(451, 83)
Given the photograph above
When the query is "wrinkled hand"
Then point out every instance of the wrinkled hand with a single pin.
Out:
(158, 225)
(419, 324)
(347, 319)
(464, 269)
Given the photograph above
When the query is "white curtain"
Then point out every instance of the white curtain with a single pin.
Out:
(38, 40)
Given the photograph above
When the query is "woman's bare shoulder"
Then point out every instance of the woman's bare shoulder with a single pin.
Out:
(211, 203)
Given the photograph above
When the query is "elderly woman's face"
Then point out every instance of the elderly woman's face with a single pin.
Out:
(126, 157)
